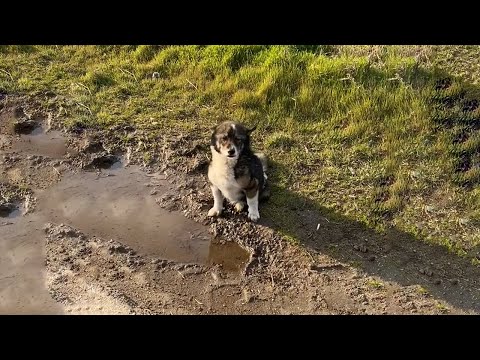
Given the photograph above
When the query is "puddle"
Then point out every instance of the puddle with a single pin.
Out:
(39, 142)
(117, 205)
(230, 255)
(22, 135)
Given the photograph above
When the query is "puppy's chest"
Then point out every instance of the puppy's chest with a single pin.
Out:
(223, 177)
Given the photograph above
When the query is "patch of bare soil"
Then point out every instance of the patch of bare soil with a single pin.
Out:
(89, 229)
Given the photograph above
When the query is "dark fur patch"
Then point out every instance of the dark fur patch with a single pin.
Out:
(249, 172)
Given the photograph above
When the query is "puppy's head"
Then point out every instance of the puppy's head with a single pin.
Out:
(231, 139)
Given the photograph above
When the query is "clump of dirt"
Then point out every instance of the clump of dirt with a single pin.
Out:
(92, 146)
(15, 200)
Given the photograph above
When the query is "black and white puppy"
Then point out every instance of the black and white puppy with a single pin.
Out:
(235, 172)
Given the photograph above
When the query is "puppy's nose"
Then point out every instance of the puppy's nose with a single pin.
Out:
(231, 152)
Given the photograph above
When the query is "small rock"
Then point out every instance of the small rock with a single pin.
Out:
(437, 282)
(161, 264)
(18, 112)
(153, 192)
(247, 298)
(454, 282)
(362, 248)
(91, 146)
(429, 208)
(372, 258)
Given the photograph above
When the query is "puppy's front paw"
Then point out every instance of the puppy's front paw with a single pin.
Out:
(239, 206)
(214, 212)
(253, 216)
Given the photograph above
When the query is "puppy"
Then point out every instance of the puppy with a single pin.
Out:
(235, 172)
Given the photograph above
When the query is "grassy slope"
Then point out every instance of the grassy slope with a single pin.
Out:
(361, 130)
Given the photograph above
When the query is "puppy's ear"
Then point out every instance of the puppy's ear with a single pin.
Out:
(213, 141)
(249, 131)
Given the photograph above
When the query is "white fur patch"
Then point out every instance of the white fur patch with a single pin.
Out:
(217, 208)
(253, 208)
(221, 174)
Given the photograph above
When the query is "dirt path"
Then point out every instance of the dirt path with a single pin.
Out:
(86, 230)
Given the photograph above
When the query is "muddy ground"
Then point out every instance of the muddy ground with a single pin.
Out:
(87, 227)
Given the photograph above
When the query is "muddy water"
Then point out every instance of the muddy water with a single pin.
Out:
(117, 205)
(231, 256)
(23, 287)
(112, 204)
(34, 139)
(41, 142)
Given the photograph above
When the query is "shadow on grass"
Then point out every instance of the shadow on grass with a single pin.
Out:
(395, 256)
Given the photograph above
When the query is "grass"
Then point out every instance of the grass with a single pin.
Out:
(442, 307)
(374, 133)
(375, 284)
(421, 290)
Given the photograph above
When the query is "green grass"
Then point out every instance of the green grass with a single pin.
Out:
(375, 284)
(421, 290)
(363, 131)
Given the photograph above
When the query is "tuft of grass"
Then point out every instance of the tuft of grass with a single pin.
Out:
(278, 140)
(442, 307)
(375, 284)
(98, 79)
(421, 290)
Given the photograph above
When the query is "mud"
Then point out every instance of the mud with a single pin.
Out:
(90, 230)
